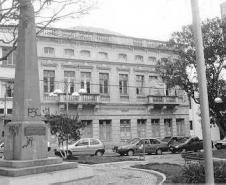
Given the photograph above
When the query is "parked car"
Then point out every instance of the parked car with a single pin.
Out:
(220, 144)
(190, 144)
(174, 139)
(85, 146)
(151, 145)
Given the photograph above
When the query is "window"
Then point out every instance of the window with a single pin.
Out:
(139, 58)
(168, 127)
(83, 142)
(191, 125)
(9, 111)
(123, 83)
(152, 60)
(49, 51)
(94, 142)
(2, 111)
(155, 127)
(88, 130)
(69, 52)
(104, 78)
(154, 141)
(125, 129)
(180, 127)
(122, 57)
(105, 130)
(140, 84)
(141, 128)
(85, 81)
(10, 59)
(153, 78)
(164, 60)
(85, 53)
(103, 55)
(69, 81)
(48, 79)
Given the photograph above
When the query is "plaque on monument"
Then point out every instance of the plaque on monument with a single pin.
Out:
(34, 130)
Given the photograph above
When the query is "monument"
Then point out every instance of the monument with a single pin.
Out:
(26, 136)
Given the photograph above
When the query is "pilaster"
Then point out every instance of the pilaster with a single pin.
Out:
(96, 128)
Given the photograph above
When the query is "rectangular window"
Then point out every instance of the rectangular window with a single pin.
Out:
(152, 60)
(168, 127)
(140, 84)
(69, 52)
(122, 57)
(103, 55)
(105, 130)
(104, 78)
(155, 124)
(191, 125)
(9, 89)
(85, 81)
(125, 129)
(1, 111)
(141, 128)
(10, 59)
(48, 81)
(139, 58)
(9, 111)
(87, 132)
(69, 81)
(49, 51)
(123, 84)
(180, 127)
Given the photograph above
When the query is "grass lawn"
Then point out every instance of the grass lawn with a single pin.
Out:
(103, 159)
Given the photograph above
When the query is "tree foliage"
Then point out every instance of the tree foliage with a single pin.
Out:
(182, 71)
(64, 127)
(47, 13)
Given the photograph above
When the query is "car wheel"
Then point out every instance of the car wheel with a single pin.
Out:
(130, 153)
(69, 154)
(159, 152)
(99, 153)
(219, 146)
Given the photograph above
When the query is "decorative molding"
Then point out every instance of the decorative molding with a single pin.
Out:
(47, 64)
(103, 67)
(122, 68)
(69, 66)
(85, 67)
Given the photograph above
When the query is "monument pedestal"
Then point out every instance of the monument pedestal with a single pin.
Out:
(25, 140)
(26, 150)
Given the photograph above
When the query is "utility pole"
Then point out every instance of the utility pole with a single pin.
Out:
(201, 70)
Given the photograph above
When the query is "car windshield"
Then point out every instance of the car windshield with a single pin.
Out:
(166, 139)
(182, 140)
(133, 141)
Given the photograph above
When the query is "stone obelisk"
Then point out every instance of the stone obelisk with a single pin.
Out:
(26, 135)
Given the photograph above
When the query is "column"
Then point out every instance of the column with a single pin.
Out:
(133, 123)
(174, 127)
(116, 130)
(148, 128)
(162, 128)
(95, 128)
(94, 81)
(114, 88)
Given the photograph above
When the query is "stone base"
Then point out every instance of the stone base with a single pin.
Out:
(15, 168)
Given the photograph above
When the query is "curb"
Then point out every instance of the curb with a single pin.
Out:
(156, 173)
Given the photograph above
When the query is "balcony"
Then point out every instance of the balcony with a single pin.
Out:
(89, 99)
(161, 98)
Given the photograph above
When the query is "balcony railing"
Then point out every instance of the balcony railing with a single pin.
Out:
(163, 100)
(82, 98)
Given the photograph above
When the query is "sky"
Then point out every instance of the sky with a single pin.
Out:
(151, 19)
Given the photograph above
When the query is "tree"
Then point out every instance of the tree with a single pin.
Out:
(47, 13)
(64, 128)
(182, 71)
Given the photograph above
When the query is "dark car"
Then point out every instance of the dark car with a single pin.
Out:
(146, 145)
(190, 144)
(220, 144)
(174, 139)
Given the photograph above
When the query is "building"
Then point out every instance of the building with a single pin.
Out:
(122, 94)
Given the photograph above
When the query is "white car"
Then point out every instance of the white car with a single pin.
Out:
(221, 144)
(85, 146)
(1, 148)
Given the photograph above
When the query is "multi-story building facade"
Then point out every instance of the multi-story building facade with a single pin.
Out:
(122, 94)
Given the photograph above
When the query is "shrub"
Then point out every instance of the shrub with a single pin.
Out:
(195, 173)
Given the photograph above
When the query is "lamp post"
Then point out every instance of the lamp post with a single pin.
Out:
(209, 173)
